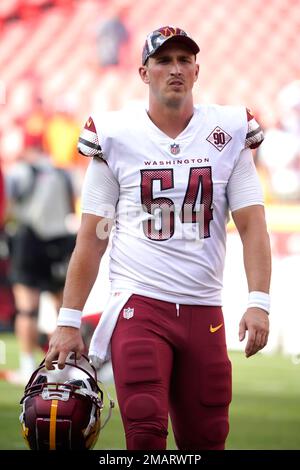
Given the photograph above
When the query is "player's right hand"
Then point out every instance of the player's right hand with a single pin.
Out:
(256, 321)
(64, 340)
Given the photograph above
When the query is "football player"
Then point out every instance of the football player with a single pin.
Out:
(168, 175)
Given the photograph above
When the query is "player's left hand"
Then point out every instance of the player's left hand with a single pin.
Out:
(256, 321)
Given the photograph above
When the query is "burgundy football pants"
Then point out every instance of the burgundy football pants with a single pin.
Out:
(170, 359)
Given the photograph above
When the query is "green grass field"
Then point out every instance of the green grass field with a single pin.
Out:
(265, 412)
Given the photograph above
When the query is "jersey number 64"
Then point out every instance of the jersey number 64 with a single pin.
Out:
(196, 206)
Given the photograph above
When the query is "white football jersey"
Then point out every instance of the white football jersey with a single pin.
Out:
(171, 197)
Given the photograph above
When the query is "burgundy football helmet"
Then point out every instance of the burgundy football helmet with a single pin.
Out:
(62, 407)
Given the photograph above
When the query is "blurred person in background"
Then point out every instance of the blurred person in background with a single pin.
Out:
(169, 175)
(34, 123)
(61, 134)
(280, 151)
(111, 36)
(7, 308)
(40, 198)
(2, 198)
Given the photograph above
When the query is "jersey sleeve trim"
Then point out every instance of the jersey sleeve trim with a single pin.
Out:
(88, 143)
(255, 135)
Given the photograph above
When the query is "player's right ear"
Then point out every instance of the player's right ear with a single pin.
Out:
(143, 71)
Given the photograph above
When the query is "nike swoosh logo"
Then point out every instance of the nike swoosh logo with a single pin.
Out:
(213, 329)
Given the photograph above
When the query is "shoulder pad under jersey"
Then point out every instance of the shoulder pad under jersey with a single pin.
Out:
(88, 143)
(255, 135)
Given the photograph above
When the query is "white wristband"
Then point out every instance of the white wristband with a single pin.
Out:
(260, 300)
(69, 317)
